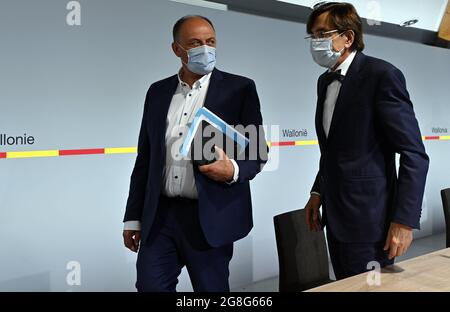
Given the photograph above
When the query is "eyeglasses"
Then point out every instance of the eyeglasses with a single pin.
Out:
(321, 34)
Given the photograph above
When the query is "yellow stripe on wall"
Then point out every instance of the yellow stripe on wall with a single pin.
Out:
(121, 150)
(32, 154)
(306, 143)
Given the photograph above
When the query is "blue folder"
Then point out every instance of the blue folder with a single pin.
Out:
(205, 115)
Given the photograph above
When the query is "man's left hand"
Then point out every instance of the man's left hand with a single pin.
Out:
(222, 170)
(398, 240)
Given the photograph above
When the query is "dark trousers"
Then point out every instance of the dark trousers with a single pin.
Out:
(176, 240)
(350, 259)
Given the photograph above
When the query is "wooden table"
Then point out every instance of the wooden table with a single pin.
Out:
(428, 273)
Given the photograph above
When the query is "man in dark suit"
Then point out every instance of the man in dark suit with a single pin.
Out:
(364, 117)
(188, 215)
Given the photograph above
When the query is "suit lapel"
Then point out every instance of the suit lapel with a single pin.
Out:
(321, 94)
(349, 87)
(211, 101)
(166, 95)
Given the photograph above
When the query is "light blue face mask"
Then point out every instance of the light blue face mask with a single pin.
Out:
(201, 60)
(323, 53)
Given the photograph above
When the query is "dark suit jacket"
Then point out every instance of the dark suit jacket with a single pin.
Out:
(372, 121)
(225, 211)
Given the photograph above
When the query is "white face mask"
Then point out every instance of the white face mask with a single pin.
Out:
(201, 60)
(323, 53)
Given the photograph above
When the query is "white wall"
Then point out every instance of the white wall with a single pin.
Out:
(84, 87)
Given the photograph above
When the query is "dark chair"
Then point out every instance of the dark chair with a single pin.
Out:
(302, 254)
(445, 194)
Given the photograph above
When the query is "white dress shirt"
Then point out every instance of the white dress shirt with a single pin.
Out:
(178, 172)
(332, 95)
(333, 92)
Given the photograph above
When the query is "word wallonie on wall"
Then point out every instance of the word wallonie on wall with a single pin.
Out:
(7, 140)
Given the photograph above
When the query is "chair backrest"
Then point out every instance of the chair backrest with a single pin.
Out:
(302, 254)
(445, 194)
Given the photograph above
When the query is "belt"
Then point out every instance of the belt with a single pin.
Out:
(179, 200)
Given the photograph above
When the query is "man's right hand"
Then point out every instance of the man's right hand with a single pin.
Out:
(132, 239)
(313, 214)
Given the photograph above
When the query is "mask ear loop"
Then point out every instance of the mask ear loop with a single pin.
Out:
(184, 51)
(331, 40)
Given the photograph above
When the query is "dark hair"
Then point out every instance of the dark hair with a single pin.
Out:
(180, 22)
(343, 17)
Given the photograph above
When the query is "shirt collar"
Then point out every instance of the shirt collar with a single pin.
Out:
(199, 83)
(344, 67)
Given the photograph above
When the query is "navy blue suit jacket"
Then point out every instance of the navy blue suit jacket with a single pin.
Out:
(225, 211)
(373, 120)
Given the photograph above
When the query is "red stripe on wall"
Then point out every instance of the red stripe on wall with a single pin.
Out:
(428, 138)
(2, 155)
(283, 143)
(82, 152)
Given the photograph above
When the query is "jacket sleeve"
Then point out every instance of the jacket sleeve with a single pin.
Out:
(316, 186)
(400, 127)
(257, 150)
(139, 176)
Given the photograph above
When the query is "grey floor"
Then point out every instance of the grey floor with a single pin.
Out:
(419, 247)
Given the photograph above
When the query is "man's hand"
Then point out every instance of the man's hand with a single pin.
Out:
(222, 170)
(313, 213)
(398, 240)
(132, 239)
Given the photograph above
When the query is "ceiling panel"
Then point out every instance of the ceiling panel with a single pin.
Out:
(428, 12)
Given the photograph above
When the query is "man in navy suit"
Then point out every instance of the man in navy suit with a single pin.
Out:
(179, 214)
(364, 117)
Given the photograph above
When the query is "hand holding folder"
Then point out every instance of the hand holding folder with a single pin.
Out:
(208, 131)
